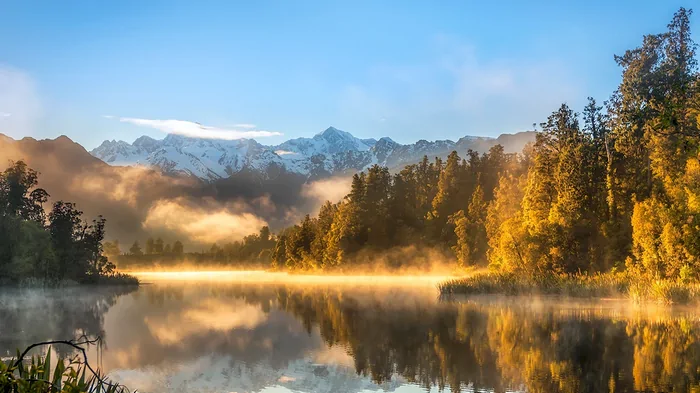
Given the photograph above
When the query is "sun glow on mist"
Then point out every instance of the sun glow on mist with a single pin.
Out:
(269, 277)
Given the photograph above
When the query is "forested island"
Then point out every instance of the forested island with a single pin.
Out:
(48, 249)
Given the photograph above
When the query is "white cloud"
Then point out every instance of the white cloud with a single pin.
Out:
(333, 189)
(244, 125)
(4, 114)
(196, 130)
(284, 152)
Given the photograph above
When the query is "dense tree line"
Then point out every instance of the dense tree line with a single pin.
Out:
(432, 203)
(615, 187)
(620, 189)
(252, 251)
(49, 247)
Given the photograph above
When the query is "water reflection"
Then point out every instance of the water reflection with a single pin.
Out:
(32, 315)
(224, 336)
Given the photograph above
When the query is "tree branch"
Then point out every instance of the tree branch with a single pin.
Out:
(77, 345)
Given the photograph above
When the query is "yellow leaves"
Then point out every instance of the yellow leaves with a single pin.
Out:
(692, 185)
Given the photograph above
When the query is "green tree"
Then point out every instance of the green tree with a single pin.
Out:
(447, 199)
(298, 245)
(66, 228)
(158, 246)
(279, 253)
(135, 249)
(375, 209)
(150, 246)
(178, 248)
(34, 256)
(324, 222)
(19, 195)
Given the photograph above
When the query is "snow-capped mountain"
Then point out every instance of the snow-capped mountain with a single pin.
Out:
(327, 153)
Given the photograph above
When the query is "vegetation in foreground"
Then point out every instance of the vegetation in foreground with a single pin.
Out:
(51, 249)
(610, 284)
(74, 375)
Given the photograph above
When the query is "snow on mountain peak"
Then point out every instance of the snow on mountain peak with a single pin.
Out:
(329, 152)
(332, 133)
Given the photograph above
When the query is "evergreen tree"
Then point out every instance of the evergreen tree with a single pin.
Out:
(178, 248)
(150, 246)
(135, 249)
(158, 246)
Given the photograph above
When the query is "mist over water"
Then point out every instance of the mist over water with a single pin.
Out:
(254, 332)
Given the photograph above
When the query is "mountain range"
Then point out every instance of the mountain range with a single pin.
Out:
(126, 182)
(328, 153)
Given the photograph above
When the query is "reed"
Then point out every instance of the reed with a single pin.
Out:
(612, 284)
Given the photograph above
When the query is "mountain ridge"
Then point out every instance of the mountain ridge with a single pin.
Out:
(329, 152)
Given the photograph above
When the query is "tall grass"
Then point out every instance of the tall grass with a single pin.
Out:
(36, 375)
(613, 284)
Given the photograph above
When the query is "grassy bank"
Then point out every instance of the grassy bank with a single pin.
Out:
(596, 285)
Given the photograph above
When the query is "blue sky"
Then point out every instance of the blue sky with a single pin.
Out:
(405, 69)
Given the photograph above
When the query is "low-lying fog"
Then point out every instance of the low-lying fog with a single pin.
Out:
(233, 331)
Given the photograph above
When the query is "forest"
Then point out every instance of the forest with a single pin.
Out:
(613, 188)
(48, 249)
(252, 252)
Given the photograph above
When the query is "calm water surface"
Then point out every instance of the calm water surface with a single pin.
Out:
(254, 332)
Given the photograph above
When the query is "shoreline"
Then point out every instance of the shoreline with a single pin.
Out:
(620, 285)
(120, 279)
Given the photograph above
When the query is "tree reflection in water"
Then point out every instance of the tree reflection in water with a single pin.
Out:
(390, 334)
(507, 345)
(501, 345)
(33, 315)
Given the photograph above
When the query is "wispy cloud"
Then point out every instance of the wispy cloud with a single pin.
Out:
(284, 152)
(455, 90)
(5, 114)
(244, 125)
(196, 130)
(211, 224)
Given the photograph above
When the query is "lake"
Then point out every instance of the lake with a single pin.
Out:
(261, 332)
